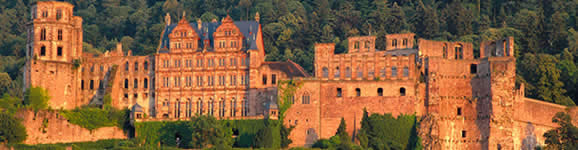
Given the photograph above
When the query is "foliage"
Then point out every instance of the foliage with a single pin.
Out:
(563, 137)
(11, 129)
(387, 132)
(207, 132)
(9, 104)
(36, 98)
(101, 144)
(93, 118)
(341, 140)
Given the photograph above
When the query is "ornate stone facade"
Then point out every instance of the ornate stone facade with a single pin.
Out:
(216, 68)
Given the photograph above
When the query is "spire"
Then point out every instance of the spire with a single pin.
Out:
(184, 19)
(257, 17)
(199, 23)
(168, 19)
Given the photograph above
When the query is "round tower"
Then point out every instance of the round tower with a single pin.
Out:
(54, 34)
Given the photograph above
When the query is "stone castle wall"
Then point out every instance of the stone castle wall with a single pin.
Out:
(59, 130)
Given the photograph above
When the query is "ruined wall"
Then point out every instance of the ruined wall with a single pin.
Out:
(445, 49)
(320, 118)
(59, 130)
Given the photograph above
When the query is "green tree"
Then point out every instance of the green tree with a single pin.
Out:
(558, 32)
(208, 132)
(541, 73)
(459, 19)
(426, 22)
(9, 104)
(5, 82)
(36, 98)
(396, 21)
(11, 129)
(563, 137)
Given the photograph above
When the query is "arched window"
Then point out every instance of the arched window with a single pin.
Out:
(394, 71)
(211, 106)
(404, 42)
(43, 50)
(306, 98)
(245, 107)
(82, 84)
(126, 65)
(200, 106)
(188, 106)
(379, 91)
(145, 83)
(146, 65)
(367, 45)
(459, 53)
(233, 107)
(348, 72)
(222, 106)
(402, 91)
(357, 92)
(336, 74)
(135, 85)
(359, 72)
(135, 66)
(178, 109)
(91, 84)
(126, 83)
(394, 43)
(325, 72)
(405, 71)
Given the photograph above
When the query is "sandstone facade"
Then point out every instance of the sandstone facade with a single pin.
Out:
(218, 68)
(463, 102)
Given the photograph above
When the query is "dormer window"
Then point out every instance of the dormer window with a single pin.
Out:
(404, 42)
(356, 45)
(394, 43)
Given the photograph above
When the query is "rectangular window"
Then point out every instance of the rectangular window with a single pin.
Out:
(473, 68)
(459, 111)
(274, 79)
(339, 92)
(60, 34)
(463, 133)
(264, 79)
(59, 51)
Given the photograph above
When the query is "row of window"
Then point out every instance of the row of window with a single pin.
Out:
(200, 62)
(43, 34)
(379, 92)
(305, 99)
(232, 44)
(371, 73)
(135, 83)
(210, 80)
(404, 42)
(199, 105)
(59, 50)
(136, 66)
(45, 14)
(273, 79)
(367, 45)
(91, 84)
(458, 52)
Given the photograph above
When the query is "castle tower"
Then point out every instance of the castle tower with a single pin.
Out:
(54, 48)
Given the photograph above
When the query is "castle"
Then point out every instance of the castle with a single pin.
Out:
(218, 68)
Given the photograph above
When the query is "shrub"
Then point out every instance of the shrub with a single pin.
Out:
(36, 98)
(11, 129)
(92, 118)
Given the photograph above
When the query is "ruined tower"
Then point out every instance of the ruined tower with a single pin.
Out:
(54, 48)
